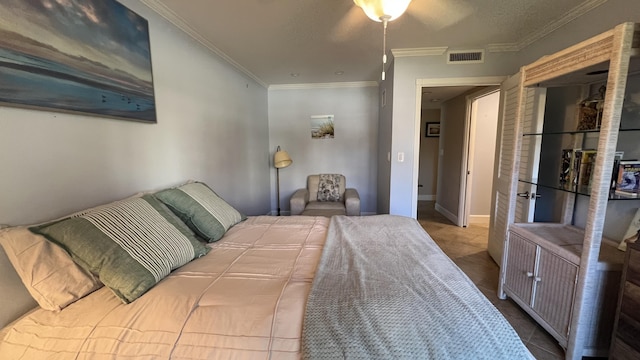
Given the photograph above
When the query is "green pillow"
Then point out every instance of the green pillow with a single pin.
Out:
(130, 244)
(201, 209)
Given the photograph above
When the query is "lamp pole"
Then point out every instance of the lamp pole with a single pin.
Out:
(278, 188)
(281, 159)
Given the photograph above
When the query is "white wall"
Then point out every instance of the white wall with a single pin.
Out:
(405, 127)
(353, 152)
(212, 126)
(428, 174)
(485, 130)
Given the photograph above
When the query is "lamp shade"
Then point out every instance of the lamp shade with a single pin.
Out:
(281, 159)
(376, 9)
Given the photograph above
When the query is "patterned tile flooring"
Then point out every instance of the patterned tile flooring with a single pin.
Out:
(467, 247)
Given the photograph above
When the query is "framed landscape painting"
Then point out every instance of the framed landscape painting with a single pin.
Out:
(81, 56)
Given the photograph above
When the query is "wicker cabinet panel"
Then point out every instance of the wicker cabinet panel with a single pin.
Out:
(520, 267)
(554, 291)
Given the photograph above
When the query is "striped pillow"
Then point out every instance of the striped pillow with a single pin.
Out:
(201, 209)
(130, 244)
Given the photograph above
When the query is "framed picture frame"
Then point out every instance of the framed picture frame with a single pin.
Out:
(432, 129)
(79, 56)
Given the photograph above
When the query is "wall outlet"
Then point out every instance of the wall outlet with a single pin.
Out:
(400, 157)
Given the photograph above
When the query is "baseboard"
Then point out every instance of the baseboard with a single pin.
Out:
(426, 197)
(479, 219)
(447, 214)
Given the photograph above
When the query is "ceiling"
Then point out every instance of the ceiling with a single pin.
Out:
(324, 41)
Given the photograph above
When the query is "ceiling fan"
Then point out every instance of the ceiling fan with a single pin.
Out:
(432, 13)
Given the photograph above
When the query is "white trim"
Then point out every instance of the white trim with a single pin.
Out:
(571, 15)
(462, 81)
(354, 84)
(479, 219)
(503, 47)
(426, 197)
(165, 12)
(428, 51)
(446, 213)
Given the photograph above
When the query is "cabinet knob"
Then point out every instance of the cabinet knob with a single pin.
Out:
(537, 279)
(529, 274)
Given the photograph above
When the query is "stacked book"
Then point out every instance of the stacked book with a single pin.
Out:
(627, 181)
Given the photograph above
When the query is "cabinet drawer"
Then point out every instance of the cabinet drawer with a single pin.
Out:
(633, 267)
(630, 305)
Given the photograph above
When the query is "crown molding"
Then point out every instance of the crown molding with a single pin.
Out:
(334, 85)
(177, 21)
(571, 15)
(503, 47)
(428, 51)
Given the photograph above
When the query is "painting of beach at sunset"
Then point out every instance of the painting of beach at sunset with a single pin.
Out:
(84, 56)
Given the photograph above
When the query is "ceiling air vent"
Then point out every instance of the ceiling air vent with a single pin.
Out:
(465, 57)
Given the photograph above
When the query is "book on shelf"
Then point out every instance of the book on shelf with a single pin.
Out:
(628, 181)
(586, 163)
(617, 157)
(633, 232)
(566, 169)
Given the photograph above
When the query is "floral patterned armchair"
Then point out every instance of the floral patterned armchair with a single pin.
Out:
(325, 195)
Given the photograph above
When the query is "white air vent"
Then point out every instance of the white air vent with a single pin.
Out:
(465, 57)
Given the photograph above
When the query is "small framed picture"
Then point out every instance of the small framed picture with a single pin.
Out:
(432, 129)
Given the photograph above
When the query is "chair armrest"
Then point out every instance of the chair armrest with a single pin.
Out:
(352, 202)
(298, 201)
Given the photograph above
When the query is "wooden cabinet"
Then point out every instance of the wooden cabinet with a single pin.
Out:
(563, 272)
(625, 344)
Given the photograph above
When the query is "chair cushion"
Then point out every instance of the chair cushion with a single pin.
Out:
(313, 182)
(322, 208)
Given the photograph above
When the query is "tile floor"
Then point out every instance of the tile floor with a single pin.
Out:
(467, 247)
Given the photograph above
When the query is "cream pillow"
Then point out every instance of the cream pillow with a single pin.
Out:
(47, 270)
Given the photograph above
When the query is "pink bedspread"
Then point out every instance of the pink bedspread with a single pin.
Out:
(244, 300)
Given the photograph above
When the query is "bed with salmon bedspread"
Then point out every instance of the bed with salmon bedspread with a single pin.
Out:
(371, 287)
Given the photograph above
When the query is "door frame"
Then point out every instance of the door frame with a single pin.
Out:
(466, 173)
(438, 82)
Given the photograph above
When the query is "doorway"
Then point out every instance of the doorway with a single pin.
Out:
(451, 155)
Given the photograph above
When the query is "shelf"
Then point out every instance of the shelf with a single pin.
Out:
(582, 190)
(573, 132)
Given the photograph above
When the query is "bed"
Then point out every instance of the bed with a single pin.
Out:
(373, 287)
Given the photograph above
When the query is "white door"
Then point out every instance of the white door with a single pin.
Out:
(517, 157)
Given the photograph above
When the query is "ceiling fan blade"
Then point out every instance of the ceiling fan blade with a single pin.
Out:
(350, 23)
(439, 14)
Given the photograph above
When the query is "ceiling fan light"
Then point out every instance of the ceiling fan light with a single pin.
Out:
(376, 9)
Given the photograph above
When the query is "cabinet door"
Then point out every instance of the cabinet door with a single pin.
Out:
(519, 267)
(554, 291)
(510, 92)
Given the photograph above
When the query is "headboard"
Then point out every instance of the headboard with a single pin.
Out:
(15, 300)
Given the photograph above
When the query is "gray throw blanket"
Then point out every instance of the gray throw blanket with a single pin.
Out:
(385, 290)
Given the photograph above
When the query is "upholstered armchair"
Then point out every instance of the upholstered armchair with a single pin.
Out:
(325, 195)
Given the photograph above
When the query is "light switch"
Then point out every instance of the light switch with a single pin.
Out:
(400, 157)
